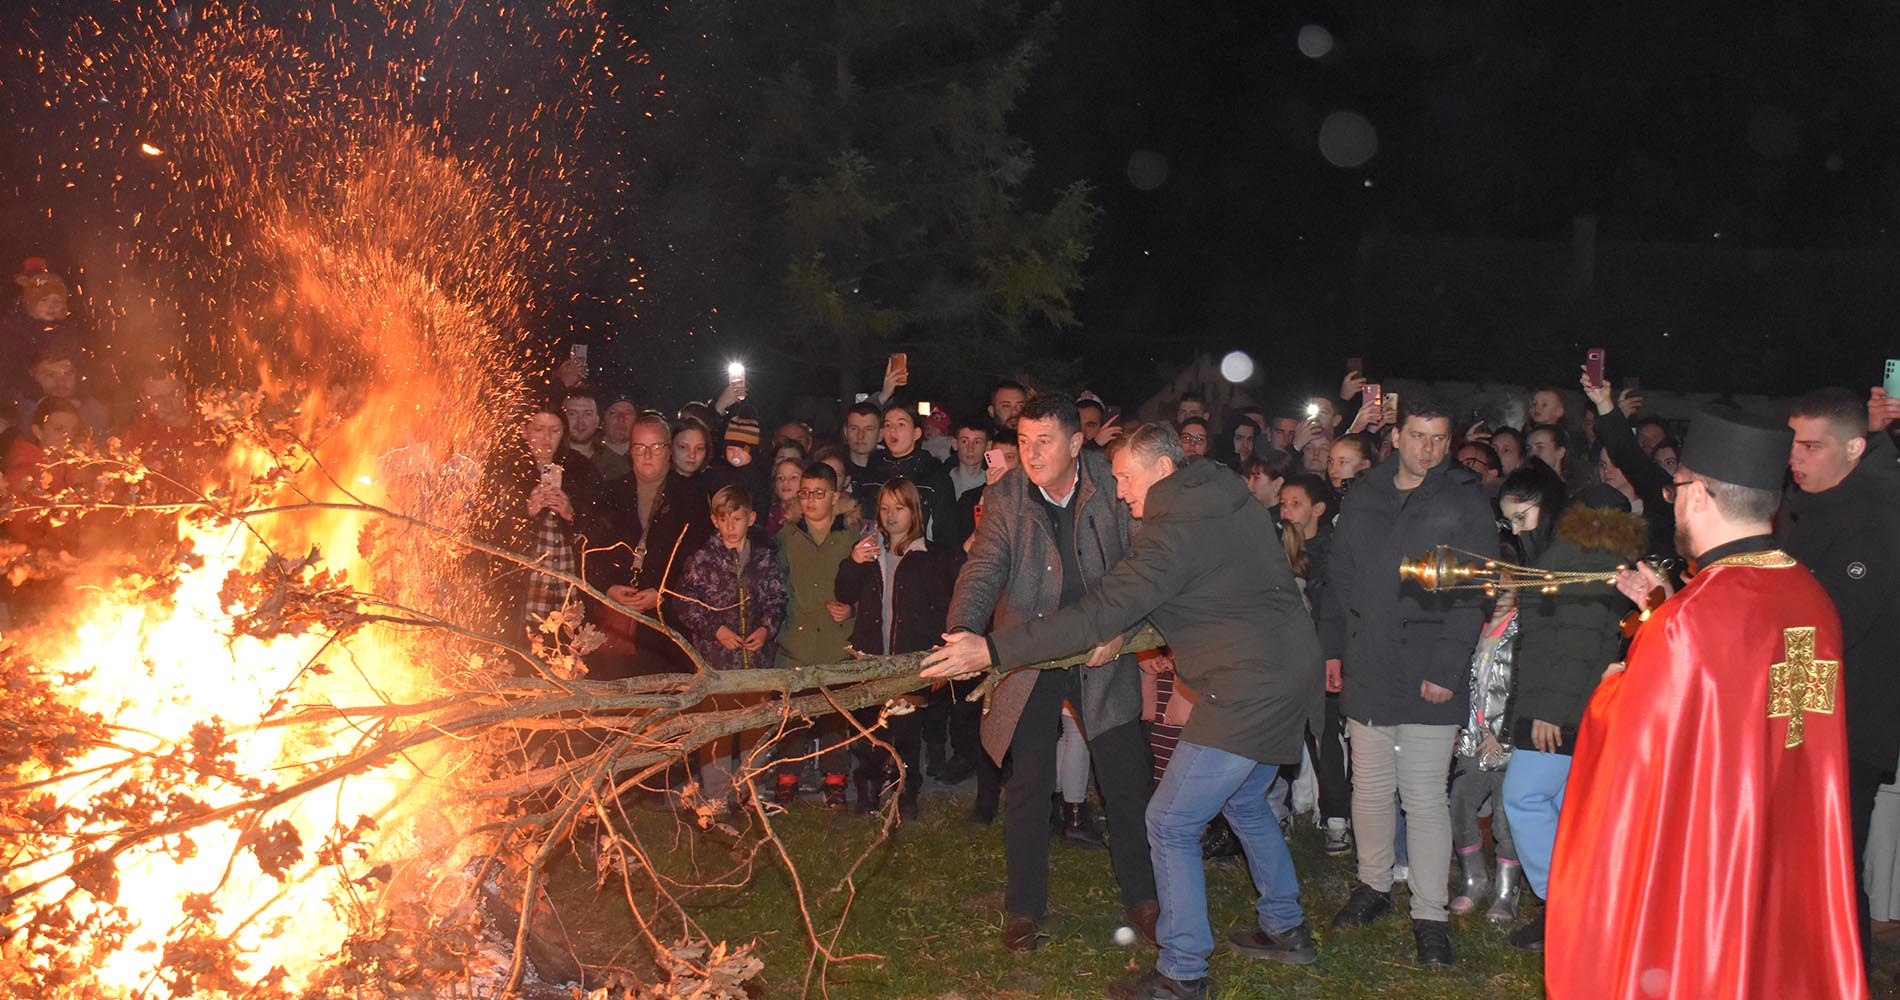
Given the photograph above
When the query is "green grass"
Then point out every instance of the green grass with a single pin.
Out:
(929, 901)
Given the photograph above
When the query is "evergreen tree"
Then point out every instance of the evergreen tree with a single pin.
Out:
(855, 190)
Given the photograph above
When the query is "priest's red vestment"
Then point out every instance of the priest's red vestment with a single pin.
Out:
(1703, 849)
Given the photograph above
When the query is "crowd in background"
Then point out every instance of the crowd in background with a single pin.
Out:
(768, 542)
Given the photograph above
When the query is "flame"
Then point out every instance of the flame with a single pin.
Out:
(336, 248)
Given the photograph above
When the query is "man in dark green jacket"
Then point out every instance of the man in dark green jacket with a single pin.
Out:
(1208, 570)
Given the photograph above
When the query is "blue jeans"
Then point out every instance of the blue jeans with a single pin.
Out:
(1200, 783)
(1533, 795)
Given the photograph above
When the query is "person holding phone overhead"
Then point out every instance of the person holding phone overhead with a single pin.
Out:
(548, 519)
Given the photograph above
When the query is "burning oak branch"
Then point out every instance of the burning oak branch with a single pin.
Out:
(232, 772)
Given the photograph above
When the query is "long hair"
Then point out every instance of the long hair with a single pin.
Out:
(905, 492)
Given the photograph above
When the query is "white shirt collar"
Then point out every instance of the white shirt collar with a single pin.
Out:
(1075, 486)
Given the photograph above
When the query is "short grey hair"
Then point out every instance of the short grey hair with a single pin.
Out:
(1156, 440)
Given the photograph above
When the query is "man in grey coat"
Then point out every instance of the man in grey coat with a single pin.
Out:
(1208, 570)
(1050, 530)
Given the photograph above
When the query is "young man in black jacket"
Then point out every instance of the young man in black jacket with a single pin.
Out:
(1403, 658)
(1842, 521)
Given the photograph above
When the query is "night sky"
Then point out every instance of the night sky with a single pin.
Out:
(1753, 145)
(1751, 125)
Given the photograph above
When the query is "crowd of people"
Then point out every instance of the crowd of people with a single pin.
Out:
(1428, 726)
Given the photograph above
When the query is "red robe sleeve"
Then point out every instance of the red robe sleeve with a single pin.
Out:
(1699, 854)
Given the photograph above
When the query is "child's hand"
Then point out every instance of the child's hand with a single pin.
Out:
(756, 641)
(728, 638)
(838, 610)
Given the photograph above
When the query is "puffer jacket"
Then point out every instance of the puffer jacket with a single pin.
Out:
(743, 593)
(1566, 639)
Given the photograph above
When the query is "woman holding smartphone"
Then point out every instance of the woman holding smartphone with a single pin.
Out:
(545, 497)
(901, 589)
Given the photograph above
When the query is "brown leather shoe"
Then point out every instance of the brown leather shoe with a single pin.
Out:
(1142, 917)
(1020, 934)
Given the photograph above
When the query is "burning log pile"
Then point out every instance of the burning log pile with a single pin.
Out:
(230, 772)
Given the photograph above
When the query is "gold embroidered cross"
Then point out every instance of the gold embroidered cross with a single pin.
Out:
(1801, 683)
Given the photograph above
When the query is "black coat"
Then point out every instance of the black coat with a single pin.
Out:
(1208, 570)
(923, 583)
(1566, 639)
(934, 491)
(1391, 635)
(511, 476)
(680, 524)
(1849, 537)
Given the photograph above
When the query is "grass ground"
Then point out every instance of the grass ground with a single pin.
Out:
(929, 902)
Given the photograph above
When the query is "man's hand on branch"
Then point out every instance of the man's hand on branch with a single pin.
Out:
(963, 655)
(1106, 652)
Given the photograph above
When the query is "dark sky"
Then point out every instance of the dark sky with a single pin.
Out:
(1717, 126)
(1752, 124)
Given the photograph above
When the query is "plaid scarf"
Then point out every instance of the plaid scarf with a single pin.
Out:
(551, 549)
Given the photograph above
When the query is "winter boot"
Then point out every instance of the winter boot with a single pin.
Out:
(1078, 826)
(1510, 879)
(786, 791)
(834, 792)
(1473, 881)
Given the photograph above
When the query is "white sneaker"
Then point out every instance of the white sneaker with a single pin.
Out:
(1338, 836)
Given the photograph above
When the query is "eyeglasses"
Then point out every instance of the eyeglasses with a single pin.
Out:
(813, 494)
(1193, 439)
(1476, 464)
(1670, 491)
(649, 449)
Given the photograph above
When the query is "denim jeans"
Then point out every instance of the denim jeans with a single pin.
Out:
(1533, 795)
(1202, 782)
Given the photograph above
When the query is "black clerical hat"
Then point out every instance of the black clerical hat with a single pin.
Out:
(1739, 447)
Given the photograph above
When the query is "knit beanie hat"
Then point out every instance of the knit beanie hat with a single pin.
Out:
(743, 430)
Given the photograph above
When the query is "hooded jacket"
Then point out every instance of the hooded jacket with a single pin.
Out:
(1389, 635)
(1849, 537)
(1565, 639)
(1208, 569)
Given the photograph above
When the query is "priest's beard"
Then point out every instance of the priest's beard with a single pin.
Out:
(1682, 542)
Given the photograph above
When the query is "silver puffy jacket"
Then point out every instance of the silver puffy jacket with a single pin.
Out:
(1490, 691)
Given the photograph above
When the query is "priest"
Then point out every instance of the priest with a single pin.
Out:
(1704, 849)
